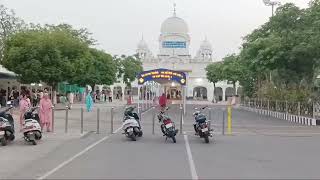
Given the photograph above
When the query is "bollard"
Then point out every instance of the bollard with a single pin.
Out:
(52, 108)
(223, 120)
(229, 120)
(268, 107)
(67, 118)
(299, 108)
(314, 110)
(98, 120)
(181, 119)
(153, 119)
(140, 113)
(81, 119)
(112, 108)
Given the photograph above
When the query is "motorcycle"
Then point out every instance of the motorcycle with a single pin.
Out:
(31, 128)
(131, 124)
(6, 126)
(202, 125)
(167, 127)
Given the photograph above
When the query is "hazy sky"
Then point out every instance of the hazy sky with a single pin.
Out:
(119, 24)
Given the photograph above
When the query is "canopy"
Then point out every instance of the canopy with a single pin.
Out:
(162, 76)
(5, 74)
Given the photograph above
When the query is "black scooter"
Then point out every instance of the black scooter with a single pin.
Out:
(168, 127)
(6, 125)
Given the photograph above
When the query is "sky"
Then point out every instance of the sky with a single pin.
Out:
(118, 25)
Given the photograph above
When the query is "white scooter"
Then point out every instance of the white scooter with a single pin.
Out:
(31, 128)
(131, 126)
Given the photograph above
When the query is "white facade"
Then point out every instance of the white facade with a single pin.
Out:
(174, 42)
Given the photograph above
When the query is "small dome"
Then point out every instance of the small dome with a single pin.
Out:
(174, 25)
(142, 45)
(206, 45)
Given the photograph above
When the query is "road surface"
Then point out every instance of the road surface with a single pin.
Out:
(260, 147)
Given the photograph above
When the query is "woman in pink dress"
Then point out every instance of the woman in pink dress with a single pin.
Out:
(46, 112)
(24, 106)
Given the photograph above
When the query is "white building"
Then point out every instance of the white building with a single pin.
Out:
(174, 54)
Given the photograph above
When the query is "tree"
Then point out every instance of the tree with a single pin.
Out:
(214, 73)
(9, 24)
(97, 67)
(231, 69)
(44, 55)
(128, 68)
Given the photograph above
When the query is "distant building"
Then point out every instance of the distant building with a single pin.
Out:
(174, 54)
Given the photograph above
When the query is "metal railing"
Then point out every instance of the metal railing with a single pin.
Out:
(307, 109)
(99, 119)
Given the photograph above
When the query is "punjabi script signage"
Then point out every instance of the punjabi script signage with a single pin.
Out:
(162, 74)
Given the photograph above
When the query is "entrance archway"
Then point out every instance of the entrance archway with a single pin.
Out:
(229, 92)
(172, 82)
(200, 92)
(218, 94)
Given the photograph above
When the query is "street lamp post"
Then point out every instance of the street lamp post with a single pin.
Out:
(272, 4)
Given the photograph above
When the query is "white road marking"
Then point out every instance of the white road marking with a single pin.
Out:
(74, 157)
(190, 159)
(147, 111)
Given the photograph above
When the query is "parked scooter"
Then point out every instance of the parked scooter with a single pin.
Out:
(6, 125)
(131, 124)
(202, 125)
(32, 129)
(167, 125)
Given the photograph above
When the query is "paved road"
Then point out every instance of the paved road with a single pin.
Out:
(260, 147)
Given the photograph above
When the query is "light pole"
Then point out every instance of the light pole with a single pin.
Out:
(272, 4)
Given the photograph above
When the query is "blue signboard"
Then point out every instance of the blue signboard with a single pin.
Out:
(174, 44)
(162, 74)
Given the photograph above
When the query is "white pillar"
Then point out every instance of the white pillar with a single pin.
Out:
(139, 98)
(123, 92)
(224, 94)
(184, 88)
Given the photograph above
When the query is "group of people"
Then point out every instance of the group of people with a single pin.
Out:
(45, 109)
(102, 96)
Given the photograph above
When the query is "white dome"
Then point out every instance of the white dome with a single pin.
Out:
(206, 45)
(142, 45)
(174, 25)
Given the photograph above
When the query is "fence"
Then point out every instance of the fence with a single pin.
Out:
(307, 113)
(100, 119)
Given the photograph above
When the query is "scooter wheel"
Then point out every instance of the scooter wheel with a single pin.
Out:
(140, 134)
(4, 141)
(174, 139)
(12, 137)
(34, 142)
(133, 138)
(206, 138)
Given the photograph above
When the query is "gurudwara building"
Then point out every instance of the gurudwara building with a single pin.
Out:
(174, 54)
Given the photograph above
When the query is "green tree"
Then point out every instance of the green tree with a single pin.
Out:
(214, 73)
(44, 55)
(128, 68)
(97, 67)
(232, 69)
(9, 24)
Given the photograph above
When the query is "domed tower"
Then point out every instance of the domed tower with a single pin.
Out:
(143, 51)
(174, 39)
(205, 51)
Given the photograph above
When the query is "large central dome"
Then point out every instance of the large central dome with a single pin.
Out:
(174, 25)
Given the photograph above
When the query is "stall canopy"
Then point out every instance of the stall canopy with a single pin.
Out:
(5, 74)
(162, 76)
(64, 88)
